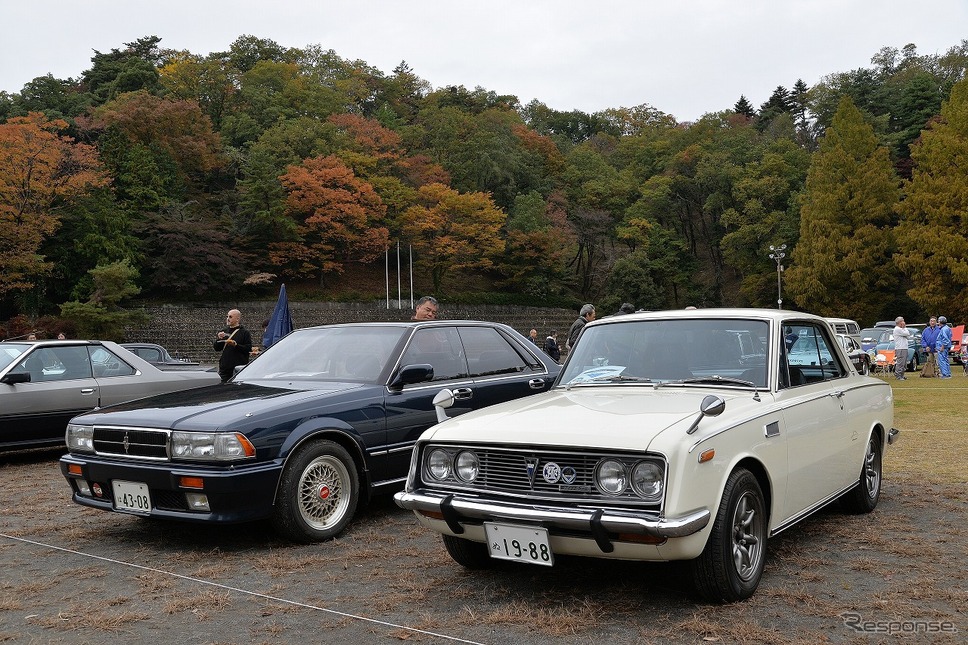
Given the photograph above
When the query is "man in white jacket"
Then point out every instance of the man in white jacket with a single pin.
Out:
(902, 337)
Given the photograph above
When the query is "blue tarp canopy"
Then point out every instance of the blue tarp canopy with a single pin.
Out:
(281, 322)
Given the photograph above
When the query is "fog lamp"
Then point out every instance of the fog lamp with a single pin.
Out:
(197, 502)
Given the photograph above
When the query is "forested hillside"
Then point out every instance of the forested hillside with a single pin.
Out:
(173, 176)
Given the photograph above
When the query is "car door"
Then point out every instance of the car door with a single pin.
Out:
(502, 369)
(813, 397)
(61, 386)
(410, 409)
(118, 380)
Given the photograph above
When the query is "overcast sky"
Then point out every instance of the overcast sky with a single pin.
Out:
(683, 57)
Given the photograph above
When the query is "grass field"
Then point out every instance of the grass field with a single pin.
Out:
(930, 413)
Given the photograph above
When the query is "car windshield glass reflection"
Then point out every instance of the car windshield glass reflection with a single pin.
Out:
(328, 354)
(10, 352)
(688, 352)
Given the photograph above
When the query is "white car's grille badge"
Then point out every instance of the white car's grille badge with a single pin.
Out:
(532, 464)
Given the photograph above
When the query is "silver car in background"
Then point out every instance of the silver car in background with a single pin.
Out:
(43, 384)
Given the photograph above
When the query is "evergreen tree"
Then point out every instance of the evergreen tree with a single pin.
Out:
(932, 236)
(845, 223)
(744, 107)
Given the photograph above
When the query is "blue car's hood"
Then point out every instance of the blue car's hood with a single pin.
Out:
(212, 407)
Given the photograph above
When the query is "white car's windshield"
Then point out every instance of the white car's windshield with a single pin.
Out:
(327, 354)
(725, 351)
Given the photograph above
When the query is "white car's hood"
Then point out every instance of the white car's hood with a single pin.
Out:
(618, 417)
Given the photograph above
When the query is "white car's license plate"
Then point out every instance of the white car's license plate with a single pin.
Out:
(519, 543)
(131, 496)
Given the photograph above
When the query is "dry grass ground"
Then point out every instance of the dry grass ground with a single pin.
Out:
(74, 575)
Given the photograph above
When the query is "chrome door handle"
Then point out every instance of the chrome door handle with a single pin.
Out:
(87, 390)
(536, 383)
(463, 393)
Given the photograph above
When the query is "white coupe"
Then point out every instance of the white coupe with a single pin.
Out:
(673, 435)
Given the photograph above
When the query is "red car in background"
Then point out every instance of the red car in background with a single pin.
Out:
(957, 335)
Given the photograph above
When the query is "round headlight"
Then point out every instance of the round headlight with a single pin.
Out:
(468, 466)
(647, 480)
(439, 464)
(611, 476)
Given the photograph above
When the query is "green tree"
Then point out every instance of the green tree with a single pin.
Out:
(932, 236)
(846, 223)
(101, 315)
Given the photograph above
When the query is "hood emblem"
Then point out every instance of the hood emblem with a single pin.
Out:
(532, 465)
(126, 443)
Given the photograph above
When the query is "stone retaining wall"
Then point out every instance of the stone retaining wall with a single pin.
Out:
(189, 330)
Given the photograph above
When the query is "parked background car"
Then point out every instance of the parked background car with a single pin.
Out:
(160, 358)
(845, 326)
(323, 419)
(916, 354)
(957, 338)
(869, 337)
(860, 359)
(45, 383)
(654, 446)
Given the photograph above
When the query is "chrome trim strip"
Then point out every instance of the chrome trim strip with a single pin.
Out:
(578, 519)
(810, 510)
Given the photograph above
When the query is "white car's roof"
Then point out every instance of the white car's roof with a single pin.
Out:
(779, 315)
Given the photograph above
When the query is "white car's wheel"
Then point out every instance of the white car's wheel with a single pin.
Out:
(731, 565)
(864, 497)
(318, 494)
(471, 555)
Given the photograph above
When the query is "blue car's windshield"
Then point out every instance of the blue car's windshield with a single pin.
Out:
(327, 354)
(661, 351)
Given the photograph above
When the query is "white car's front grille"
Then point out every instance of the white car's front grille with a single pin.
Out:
(551, 474)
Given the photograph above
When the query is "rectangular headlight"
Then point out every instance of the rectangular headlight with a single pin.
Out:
(80, 438)
(210, 446)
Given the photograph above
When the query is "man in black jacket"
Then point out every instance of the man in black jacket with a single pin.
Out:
(234, 342)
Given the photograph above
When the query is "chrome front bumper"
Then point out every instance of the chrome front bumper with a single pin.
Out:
(453, 509)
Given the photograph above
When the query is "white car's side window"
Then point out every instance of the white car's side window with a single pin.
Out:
(811, 356)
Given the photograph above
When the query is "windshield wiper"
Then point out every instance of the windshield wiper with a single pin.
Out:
(714, 379)
(612, 378)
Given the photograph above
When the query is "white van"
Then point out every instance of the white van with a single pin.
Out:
(845, 326)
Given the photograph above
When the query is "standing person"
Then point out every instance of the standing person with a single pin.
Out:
(901, 336)
(425, 309)
(928, 338)
(585, 316)
(234, 342)
(551, 346)
(533, 335)
(942, 346)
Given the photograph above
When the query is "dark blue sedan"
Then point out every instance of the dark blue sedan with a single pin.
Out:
(302, 435)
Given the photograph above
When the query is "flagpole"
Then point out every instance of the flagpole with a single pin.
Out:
(386, 272)
(410, 252)
(399, 293)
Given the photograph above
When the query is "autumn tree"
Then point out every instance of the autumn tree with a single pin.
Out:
(452, 231)
(101, 314)
(932, 236)
(338, 217)
(846, 235)
(40, 170)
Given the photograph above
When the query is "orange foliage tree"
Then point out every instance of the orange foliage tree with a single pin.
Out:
(338, 218)
(451, 231)
(39, 171)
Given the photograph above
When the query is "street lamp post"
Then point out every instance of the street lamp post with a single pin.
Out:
(777, 254)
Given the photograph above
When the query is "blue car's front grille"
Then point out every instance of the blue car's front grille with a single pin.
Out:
(131, 442)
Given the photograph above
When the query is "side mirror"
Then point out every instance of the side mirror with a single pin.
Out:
(15, 377)
(711, 406)
(410, 374)
(443, 400)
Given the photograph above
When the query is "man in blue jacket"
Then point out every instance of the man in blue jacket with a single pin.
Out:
(943, 345)
(928, 338)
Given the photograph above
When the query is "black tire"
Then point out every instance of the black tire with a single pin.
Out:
(470, 555)
(864, 496)
(318, 493)
(865, 367)
(731, 565)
